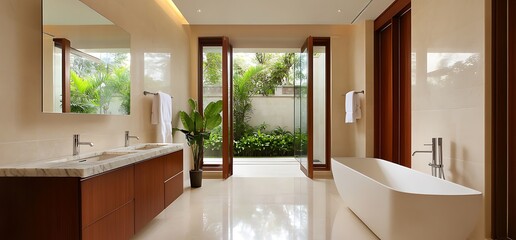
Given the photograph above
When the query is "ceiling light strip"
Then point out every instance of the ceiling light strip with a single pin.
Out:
(360, 13)
(171, 9)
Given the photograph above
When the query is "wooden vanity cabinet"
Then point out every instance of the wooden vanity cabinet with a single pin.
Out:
(111, 205)
(156, 186)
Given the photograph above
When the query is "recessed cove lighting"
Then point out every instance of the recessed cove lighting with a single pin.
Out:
(199, 10)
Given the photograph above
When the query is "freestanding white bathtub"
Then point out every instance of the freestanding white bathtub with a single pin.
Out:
(399, 203)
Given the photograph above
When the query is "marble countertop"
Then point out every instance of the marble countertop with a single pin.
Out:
(89, 164)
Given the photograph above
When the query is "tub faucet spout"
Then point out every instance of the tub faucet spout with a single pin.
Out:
(415, 152)
(437, 157)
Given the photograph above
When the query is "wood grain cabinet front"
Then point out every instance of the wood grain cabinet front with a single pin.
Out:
(148, 190)
(104, 197)
(173, 177)
(39, 208)
(157, 183)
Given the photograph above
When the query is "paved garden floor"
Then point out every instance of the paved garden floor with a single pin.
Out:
(263, 167)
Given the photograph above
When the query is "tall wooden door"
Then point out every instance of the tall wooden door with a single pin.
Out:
(392, 84)
(504, 119)
(215, 82)
(227, 113)
(511, 178)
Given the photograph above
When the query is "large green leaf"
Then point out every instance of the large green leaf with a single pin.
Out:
(193, 104)
(187, 121)
(213, 108)
(213, 121)
(198, 121)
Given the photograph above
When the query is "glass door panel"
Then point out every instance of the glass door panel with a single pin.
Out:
(319, 105)
(211, 92)
(302, 109)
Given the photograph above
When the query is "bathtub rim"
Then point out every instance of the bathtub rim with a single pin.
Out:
(472, 192)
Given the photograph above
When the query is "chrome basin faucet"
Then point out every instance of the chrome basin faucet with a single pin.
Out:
(77, 143)
(127, 137)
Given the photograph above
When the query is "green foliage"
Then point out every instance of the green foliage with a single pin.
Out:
(243, 89)
(83, 95)
(276, 73)
(123, 86)
(263, 58)
(259, 143)
(272, 70)
(93, 85)
(197, 127)
(300, 142)
(212, 115)
(266, 144)
(212, 68)
(213, 144)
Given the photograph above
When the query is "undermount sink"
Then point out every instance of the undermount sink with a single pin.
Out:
(150, 146)
(103, 156)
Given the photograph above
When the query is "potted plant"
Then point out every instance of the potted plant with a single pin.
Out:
(197, 128)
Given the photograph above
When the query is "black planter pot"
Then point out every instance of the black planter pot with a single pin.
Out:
(195, 178)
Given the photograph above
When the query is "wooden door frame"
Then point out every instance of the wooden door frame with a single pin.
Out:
(503, 113)
(326, 42)
(66, 49)
(401, 89)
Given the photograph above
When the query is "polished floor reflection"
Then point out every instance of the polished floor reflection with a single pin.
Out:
(258, 208)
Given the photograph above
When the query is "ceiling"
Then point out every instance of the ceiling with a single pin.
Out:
(70, 12)
(265, 12)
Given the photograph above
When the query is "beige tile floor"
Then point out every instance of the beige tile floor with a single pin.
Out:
(258, 208)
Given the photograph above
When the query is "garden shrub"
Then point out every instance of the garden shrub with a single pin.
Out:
(276, 143)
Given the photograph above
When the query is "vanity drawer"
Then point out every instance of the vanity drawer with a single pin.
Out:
(105, 193)
(117, 225)
(173, 164)
(173, 189)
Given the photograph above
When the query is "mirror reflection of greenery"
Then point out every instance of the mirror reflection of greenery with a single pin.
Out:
(94, 85)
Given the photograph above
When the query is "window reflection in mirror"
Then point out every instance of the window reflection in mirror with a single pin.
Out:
(86, 61)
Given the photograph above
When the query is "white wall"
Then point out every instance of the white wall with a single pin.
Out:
(448, 90)
(27, 134)
(354, 139)
(276, 111)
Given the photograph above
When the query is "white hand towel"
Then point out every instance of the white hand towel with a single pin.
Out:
(357, 111)
(162, 117)
(350, 104)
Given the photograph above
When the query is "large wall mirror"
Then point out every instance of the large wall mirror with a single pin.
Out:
(86, 61)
